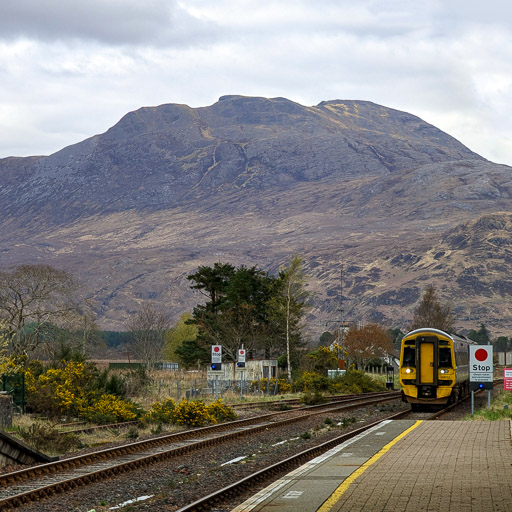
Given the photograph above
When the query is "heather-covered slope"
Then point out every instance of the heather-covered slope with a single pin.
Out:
(253, 180)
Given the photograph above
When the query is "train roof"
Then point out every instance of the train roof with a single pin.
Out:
(453, 336)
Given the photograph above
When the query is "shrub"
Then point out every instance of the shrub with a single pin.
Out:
(109, 409)
(75, 391)
(311, 382)
(283, 386)
(313, 398)
(355, 382)
(111, 384)
(162, 412)
(45, 437)
(221, 412)
(137, 381)
(58, 391)
(133, 433)
(193, 414)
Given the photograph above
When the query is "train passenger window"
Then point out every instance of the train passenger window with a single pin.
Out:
(409, 357)
(445, 358)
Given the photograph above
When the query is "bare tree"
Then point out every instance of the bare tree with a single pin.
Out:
(365, 343)
(431, 313)
(147, 330)
(33, 297)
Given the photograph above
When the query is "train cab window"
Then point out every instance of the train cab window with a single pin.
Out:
(409, 357)
(445, 358)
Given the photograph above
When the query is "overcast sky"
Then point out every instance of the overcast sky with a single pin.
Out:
(70, 69)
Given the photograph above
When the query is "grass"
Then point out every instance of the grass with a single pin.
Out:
(93, 439)
(501, 409)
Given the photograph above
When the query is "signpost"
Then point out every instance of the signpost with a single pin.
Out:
(241, 366)
(481, 371)
(216, 365)
(216, 354)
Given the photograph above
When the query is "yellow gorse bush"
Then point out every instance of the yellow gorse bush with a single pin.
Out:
(283, 386)
(111, 408)
(221, 412)
(308, 379)
(69, 392)
(191, 414)
(59, 390)
(162, 412)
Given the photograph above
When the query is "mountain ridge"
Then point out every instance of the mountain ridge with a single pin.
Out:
(253, 181)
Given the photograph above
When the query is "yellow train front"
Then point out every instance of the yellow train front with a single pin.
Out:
(434, 367)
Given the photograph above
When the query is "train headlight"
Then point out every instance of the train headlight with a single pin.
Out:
(442, 372)
(408, 370)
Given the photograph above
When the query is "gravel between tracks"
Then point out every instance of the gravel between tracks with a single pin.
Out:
(173, 485)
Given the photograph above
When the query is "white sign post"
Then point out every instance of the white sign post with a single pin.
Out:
(481, 371)
(241, 367)
(216, 353)
(216, 366)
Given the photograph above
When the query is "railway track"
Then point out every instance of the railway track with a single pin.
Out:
(216, 499)
(45, 480)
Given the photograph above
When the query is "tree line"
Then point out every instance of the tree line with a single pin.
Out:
(43, 313)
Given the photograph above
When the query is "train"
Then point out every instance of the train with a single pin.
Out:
(434, 368)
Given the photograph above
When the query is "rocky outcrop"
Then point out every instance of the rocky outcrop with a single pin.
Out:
(249, 180)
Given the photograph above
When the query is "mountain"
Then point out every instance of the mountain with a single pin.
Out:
(393, 201)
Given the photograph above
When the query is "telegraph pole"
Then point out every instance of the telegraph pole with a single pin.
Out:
(341, 332)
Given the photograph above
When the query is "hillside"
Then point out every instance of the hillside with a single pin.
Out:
(393, 200)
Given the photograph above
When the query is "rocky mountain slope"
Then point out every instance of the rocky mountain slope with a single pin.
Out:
(392, 200)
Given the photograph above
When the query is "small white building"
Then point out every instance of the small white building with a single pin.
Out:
(505, 358)
(255, 369)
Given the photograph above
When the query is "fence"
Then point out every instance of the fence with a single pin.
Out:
(135, 366)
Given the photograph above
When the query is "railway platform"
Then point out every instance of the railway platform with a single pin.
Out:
(402, 466)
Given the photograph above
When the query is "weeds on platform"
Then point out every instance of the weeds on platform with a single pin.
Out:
(501, 408)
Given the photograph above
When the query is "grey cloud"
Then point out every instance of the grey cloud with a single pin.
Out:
(115, 22)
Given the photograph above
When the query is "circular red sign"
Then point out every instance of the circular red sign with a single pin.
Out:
(216, 349)
(242, 352)
(481, 354)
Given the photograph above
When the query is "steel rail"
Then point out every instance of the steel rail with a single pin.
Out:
(207, 502)
(236, 488)
(180, 436)
(113, 468)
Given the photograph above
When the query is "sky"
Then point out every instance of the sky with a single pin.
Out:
(70, 69)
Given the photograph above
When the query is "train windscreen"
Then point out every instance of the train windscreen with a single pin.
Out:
(445, 358)
(409, 357)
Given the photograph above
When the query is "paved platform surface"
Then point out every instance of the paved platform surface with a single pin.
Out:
(403, 466)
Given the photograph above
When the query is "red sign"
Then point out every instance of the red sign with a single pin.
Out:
(507, 374)
(481, 354)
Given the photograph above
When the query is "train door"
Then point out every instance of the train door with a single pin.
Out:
(427, 363)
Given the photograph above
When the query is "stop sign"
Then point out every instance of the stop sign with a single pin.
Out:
(216, 354)
(481, 368)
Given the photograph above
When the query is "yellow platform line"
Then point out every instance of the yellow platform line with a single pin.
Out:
(342, 488)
